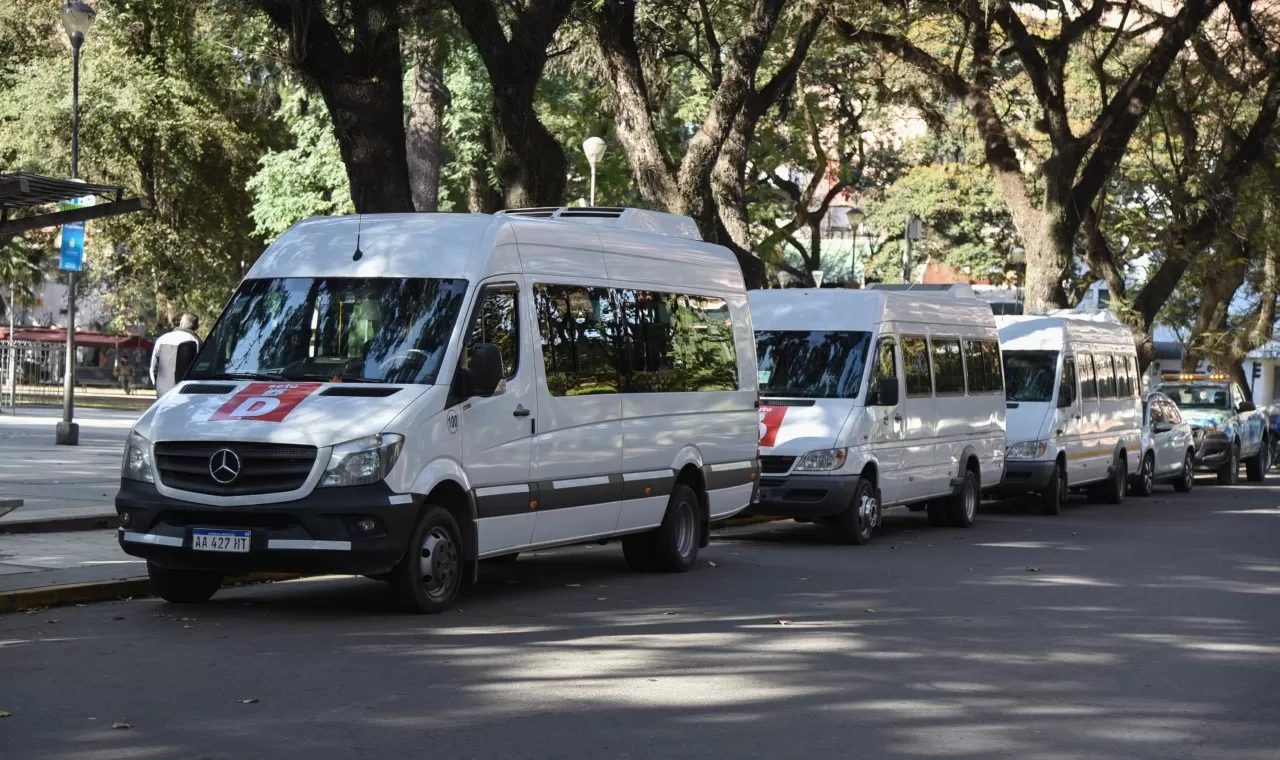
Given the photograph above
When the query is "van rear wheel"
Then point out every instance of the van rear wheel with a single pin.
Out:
(672, 547)
(1113, 490)
(962, 506)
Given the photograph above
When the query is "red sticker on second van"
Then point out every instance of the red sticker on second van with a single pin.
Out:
(265, 402)
(770, 421)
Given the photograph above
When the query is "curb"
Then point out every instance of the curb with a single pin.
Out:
(106, 591)
(60, 524)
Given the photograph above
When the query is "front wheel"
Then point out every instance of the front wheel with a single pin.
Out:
(1255, 467)
(1145, 481)
(1055, 493)
(859, 520)
(1229, 473)
(429, 576)
(1187, 478)
(672, 547)
(184, 586)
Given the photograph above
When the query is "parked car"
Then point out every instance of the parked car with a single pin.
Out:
(1074, 415)
(1233, 429)
(404, 395)
(1168, 448)
(876, 398)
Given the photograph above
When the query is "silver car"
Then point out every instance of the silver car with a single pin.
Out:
(1168, 448)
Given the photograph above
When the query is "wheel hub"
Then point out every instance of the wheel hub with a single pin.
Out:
(438, 565)
(870, 510)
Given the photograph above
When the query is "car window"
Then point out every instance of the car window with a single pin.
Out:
(1106, 376)
(1068, 379)
(1155, 412)
(1237, 397)
(497, 321)
(948, 370)
(915, 365)
(1171, 413)
(1088, 382)
(886, 364)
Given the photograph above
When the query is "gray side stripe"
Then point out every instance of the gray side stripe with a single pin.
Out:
(502, 501)
(730, 474)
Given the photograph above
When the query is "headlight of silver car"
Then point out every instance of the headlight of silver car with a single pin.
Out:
(823, 460)
(362, 461)
(137, 460)
(1027, 450)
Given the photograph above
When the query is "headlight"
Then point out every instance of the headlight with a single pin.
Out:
(1026, 450)
(137, 460)
(822, 461)
(1211, 427)
(362, 461)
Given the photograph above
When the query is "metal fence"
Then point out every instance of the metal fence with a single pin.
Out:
(31, 374)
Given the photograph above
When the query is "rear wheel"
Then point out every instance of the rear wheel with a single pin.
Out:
(1255, 467)
(859, 520)
(1114, 488)
(184, 586)
(1187, 478)
(672, 547)
(429, 576)
(1145, 481)
(1055, 494)
(962, 506)
(1229, 472)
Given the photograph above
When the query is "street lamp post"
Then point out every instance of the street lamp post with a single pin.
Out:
(594, 148)
(855, 217)
(77, 18)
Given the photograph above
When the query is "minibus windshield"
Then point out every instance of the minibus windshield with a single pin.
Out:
(1029, 375)
(1198, 396)
(333, 329)
(811, 363)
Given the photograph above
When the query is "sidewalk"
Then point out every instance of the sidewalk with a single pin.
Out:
(63, 568)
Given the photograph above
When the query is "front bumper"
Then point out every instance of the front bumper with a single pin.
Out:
(312, 535)
(1213, 453)
(806, 497)
(1023, 475)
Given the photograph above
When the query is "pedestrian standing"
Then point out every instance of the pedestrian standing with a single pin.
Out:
(173, 353)
(124, 373)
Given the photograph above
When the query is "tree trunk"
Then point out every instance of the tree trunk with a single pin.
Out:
(530, 161)
(426, 113)
(1047, 234)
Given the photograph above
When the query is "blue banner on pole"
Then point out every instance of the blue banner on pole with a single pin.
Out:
(72, 259)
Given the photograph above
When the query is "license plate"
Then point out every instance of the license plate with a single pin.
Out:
(220, 540)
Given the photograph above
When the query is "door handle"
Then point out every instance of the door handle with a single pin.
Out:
(897, 417)
(521, 411)
(1075, 416)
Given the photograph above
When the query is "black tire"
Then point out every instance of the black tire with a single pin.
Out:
(859, 520)
(1055, 494)
(1187, 478)
(672, 547)
(184, 586)
(962, 506)
(1255, 467)
(1229, 472)
(1145, 481)
(430, 575)
(1114, 488)
(501, 559)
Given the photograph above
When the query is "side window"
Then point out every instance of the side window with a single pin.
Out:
(578, 330)
(1130, 378)
(977, 373)
(995, 366)
(1088, 384)
(948, 368)
(497, 321)
(1068, 380)
(915, 365)
(1106, 376)
(886, 360)
(673, 343)
(1237, 396)
(1156, 413)
(1171, 412)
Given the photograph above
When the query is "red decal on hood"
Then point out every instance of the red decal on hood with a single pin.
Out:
(770, 421)
(265, 402)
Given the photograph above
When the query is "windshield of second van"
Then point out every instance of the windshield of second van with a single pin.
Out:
(333, 329)
(811, 363)
(1029, 375)
(1198, 396)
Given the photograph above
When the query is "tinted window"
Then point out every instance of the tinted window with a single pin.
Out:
(1067, 386)
(982, 366)
(915, 365)
(886, 364)
(1154, 412)
(1127, 388)
(1198, 396)
(811, 363)
(579, 346)
(995, 367)
(675, 343)
(1171, 412)
(1030, 375)
(497, 321)
(1088, 385)
(1106, 376)
(948, 370)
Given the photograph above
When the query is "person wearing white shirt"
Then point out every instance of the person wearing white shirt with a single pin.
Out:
(173, 353)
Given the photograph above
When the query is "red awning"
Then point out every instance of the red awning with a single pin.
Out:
(84, 338)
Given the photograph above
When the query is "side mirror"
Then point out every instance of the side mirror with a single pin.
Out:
(1066, 397)
(1162, 427)
(885, 393)
(485, 369)
(1247, 406)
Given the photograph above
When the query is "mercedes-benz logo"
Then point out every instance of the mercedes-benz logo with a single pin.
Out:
(224, 466)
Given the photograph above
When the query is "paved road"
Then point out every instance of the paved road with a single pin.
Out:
(1149, 630)
(62, 478)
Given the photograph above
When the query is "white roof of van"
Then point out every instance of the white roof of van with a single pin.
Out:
(474, 246)
(848, 309)
(1030, 332)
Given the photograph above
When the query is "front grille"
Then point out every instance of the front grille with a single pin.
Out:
(264, 467)
(772, 482)
(775, 464)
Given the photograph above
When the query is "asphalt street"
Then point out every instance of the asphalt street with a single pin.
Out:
(1147, 630)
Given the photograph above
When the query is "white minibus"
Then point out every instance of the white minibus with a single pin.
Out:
(404, 395)
(1075, 416)
(875, 398)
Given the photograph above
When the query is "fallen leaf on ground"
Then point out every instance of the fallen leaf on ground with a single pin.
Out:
(671, 613)
(782, 621)
(119, 726)
(712, 564)
(601, 598)
(189, 627)
(51, 621)
(82, 605)
(4, 714)
(118, 617)
(573, 585)
(1033, 569)
(802, 579)
(870, 610)
(249, 701)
